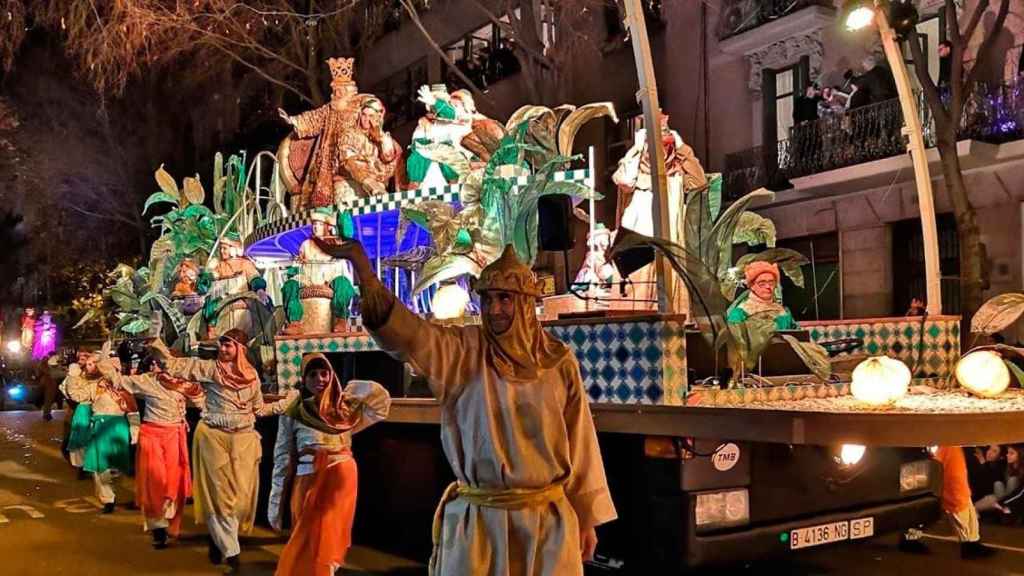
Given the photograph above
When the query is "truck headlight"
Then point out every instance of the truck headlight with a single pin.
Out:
(915, 475)
(723, 509)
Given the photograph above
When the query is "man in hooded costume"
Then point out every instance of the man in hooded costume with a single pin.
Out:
(315, 475)
(226, 447)
(515, 427)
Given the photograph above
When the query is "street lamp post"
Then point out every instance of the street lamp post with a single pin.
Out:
(860, 14)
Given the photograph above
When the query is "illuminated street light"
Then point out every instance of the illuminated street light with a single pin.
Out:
(860, 18)
(14, 347)
(894, 21)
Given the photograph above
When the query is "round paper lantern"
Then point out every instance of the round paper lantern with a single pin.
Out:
(880, 380)
(983, 373)
(450, 302)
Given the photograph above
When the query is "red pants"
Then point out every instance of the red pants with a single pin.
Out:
(162, 473)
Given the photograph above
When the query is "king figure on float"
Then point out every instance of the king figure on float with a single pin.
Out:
(633, 179)
(339, 151)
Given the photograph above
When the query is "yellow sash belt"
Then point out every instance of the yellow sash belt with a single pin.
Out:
(501, 498)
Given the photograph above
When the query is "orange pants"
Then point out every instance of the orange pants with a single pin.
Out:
(162, 476)
(322, 533)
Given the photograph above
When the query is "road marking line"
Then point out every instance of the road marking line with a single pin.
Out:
(990, 545)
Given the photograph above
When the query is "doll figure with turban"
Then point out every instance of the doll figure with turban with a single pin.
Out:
(762, 279)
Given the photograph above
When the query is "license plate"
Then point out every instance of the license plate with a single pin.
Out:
(832, 532)
(818, 535)
(862, 528)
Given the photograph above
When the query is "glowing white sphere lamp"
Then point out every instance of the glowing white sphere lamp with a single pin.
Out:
(450, 302)
(880, 380)
(983, 373)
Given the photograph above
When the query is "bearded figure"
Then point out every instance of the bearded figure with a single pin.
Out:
(340, 150)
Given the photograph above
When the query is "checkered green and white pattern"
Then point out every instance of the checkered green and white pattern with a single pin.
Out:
(386, 202)
(938, 346)
(291, 350)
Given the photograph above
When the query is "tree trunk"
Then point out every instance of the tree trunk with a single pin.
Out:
(972, 250)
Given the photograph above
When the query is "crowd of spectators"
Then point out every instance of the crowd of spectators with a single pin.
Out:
(996, 476)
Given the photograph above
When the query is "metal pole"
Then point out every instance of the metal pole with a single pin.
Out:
(648, 96)
(915, 144)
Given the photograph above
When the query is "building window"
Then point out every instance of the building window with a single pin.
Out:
(398, 93)
(780, 89)
(931, 33)
(908, 264)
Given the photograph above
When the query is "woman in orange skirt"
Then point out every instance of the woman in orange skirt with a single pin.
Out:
(315, 476)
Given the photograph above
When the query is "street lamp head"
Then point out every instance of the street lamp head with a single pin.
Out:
(859, 14)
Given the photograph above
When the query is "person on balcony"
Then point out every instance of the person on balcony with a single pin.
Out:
(762, 280)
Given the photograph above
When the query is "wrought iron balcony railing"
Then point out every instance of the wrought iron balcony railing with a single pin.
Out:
(992, 114)
(739, 16)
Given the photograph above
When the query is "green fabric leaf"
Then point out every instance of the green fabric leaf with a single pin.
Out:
(815, 357)
(218, 182)
(1017, 372)
(167, 183)
(158, 198)
(754, 230)
(136, 326)
(714, 195)
(753, 336)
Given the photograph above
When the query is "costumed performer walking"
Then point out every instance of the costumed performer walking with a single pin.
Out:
(313, 455)
(226, 447)
(515, 427)
(163, 478)
(101, 436)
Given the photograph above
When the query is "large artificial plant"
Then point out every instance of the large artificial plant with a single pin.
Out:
(499, 199)
(705, 265)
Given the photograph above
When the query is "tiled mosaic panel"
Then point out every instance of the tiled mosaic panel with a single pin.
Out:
(628, 363)
(291, 351)
(939, 347)
(631, 362)
(740, 396)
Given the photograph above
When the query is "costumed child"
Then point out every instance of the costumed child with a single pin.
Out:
(315, 474)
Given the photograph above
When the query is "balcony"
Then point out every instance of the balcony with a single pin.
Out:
(993, 115)
(741, 16)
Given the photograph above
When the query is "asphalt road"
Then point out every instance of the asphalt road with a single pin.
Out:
(50, 524)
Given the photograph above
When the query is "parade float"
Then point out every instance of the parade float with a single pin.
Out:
(695, 394)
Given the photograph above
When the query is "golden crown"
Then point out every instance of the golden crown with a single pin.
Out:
(342, 68)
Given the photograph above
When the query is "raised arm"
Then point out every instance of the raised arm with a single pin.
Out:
(284, 447)
(77, 387)
(445, 355)
(262, 409)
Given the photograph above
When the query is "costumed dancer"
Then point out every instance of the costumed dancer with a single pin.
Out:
(515, 426)
(313, 455)
(226, 447)
(100, 433)
(163, 479)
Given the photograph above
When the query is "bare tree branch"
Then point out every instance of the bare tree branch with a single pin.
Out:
(415, 18)
(972, 25)
(931, 91)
